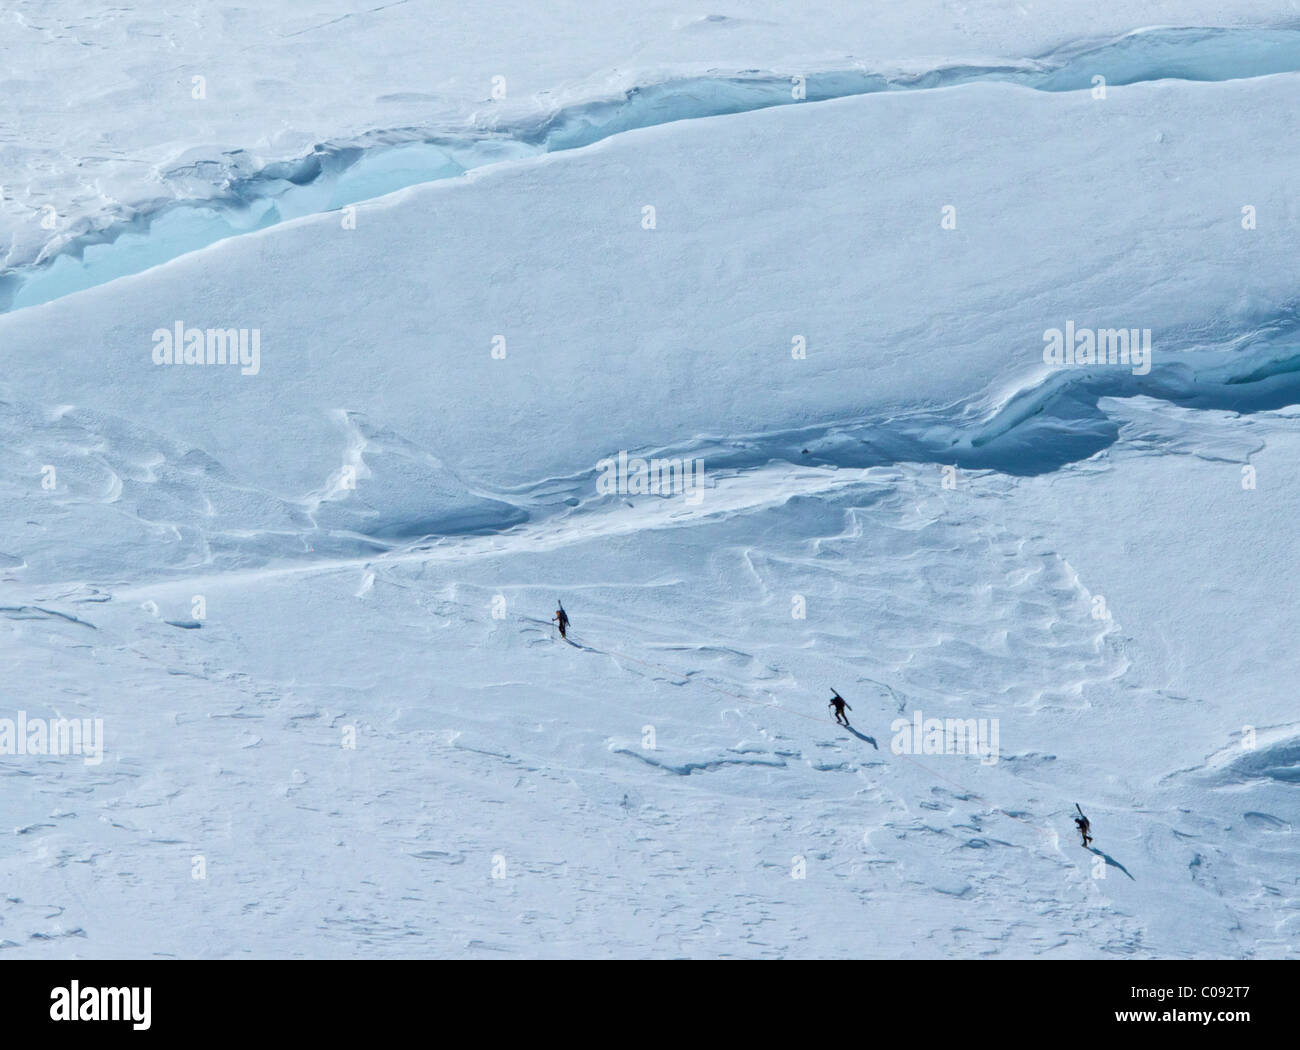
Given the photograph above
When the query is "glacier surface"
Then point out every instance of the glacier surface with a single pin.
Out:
(307, 594)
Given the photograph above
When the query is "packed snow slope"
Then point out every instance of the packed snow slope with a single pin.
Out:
(309, 598)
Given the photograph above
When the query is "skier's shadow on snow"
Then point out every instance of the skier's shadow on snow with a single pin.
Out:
(1111, 861)
(868, 739)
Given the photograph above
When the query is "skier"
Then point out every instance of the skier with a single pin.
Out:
(1082, 823)
(562, 618)
(838, 703)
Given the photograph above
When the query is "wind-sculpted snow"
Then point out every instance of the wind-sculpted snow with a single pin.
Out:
(395, 322)
(305, 580)
(534, 752)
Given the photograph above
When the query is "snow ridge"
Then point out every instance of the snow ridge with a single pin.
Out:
(246, 197)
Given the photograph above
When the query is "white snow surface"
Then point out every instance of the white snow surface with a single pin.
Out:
(311, 605)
